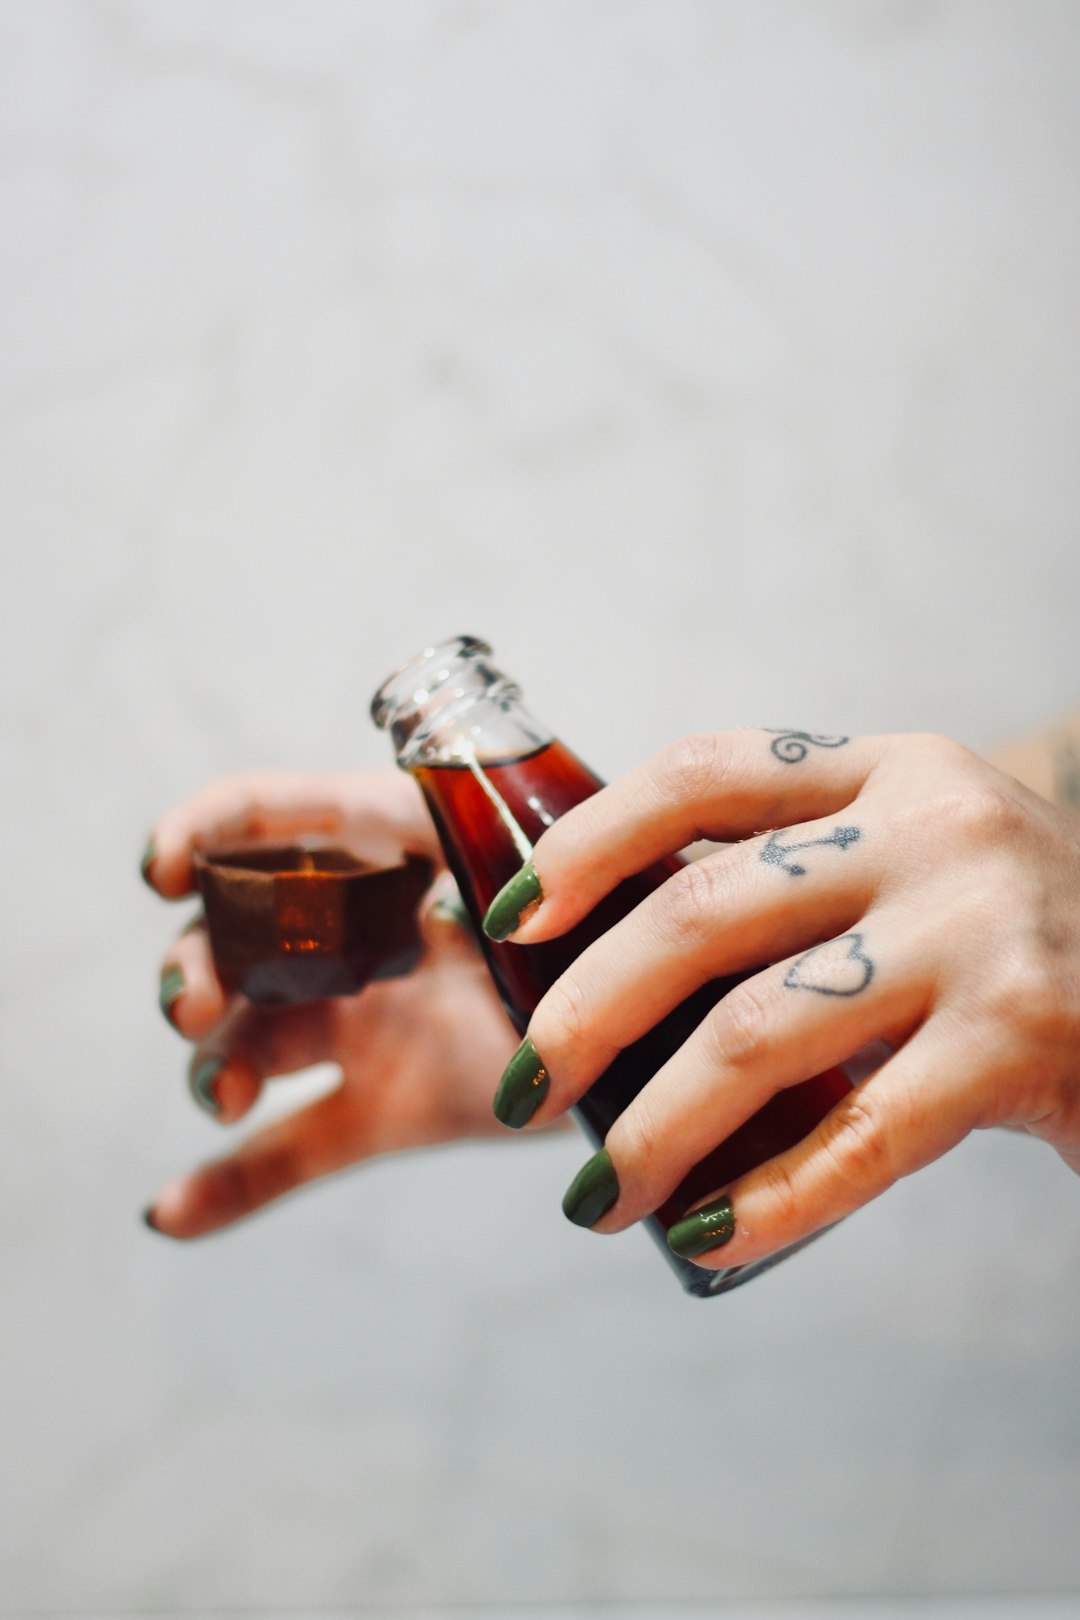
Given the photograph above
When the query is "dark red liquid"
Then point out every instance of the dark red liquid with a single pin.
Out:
(480, 847)
(297, 922)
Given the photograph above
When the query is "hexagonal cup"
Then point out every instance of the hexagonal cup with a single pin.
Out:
(297, 922)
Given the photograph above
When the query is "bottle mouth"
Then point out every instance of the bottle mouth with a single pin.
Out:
(412, 685)
(434, 687)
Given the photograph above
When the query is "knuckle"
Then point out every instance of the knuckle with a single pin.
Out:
(1016, 1092)
(855, 1138)
(1063, 1114)
(581, 825)
(562, 1021)
(687, 906)
(244, 797)
(738, 1029)
(1028, 1000)
(785, 1198)
(978, 908)
(978, 811)
(692, 767)
(640, 1142)
(247, 1184)
(235, 785)
(944, 750)
(236, 790)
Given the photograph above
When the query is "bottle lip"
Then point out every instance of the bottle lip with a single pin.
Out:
(394, 697)
(451, 705)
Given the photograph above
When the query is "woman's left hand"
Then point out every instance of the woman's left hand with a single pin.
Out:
(907, 891)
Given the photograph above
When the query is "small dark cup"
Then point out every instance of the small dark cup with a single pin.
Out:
(297, 922)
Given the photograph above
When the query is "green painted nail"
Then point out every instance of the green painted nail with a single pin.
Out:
(453, 908)
(593, 1190)
(709, 1227)
(149, 856)
(149, 1220)
(171, 989)
(507, 911)
(523, 1087)
(203, 1077)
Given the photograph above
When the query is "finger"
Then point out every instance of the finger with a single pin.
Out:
(778, 1028)
(754, 902)
(377, 813)
(314, 1142)
(444, 923)
(227, 1071)
(191, 995)
(257, 806)
(722, 786)
(914, 1109)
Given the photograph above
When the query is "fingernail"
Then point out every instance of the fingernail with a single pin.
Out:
(170, 990)
(593, 1190)
(709, 1227)
(148, 1218)
(203, 1077)
(452, 908)
(523, 1087)
(507, 911)
(149, 856)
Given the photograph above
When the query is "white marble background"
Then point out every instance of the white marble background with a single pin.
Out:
(720, 362)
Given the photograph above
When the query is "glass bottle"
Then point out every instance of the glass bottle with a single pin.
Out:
(493, 779)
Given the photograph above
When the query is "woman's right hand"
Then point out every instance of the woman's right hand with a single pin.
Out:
(419, 1056)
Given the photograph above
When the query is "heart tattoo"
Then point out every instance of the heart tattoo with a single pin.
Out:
(840, 967)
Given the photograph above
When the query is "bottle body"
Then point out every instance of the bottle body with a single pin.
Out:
(489, 807)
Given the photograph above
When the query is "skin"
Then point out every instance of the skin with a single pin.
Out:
(419, 1056)
(962, 887)
(917, 895)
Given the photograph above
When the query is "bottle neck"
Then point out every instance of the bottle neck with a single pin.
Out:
(450, 706)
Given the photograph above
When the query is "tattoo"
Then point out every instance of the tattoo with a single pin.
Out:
(831, 969)
(792, 746)
(777, 854)
(1067, 775)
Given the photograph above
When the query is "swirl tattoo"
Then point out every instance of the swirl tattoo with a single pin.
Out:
(793, 746)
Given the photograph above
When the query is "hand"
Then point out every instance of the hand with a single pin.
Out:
(419, 1055)
(909, 892)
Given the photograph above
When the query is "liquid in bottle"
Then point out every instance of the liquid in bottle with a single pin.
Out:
(493, 780)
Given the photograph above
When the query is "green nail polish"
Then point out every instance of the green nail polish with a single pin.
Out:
(149, 856)
(148, 1219)
(709, 1227)
(453, 908)
(203, 1077)
(523, 1087)
(171, 989)
(507, 911)
(593, 1190)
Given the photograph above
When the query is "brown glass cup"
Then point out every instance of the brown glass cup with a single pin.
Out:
(297, 922)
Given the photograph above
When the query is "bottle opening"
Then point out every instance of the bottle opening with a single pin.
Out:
(412, 684)
(451, 703)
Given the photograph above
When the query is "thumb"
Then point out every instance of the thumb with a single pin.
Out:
(445, 924)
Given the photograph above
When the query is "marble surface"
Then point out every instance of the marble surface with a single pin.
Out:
(721, 364)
